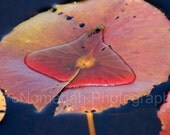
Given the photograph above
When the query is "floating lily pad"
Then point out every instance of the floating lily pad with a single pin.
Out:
(2, 106)
(138, 32)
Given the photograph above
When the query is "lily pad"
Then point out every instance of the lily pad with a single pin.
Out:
(137, 31)
(2, 106)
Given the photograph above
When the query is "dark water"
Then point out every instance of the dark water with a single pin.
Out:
(138, 117)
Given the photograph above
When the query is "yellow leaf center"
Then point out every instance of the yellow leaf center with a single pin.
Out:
(85, 62)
